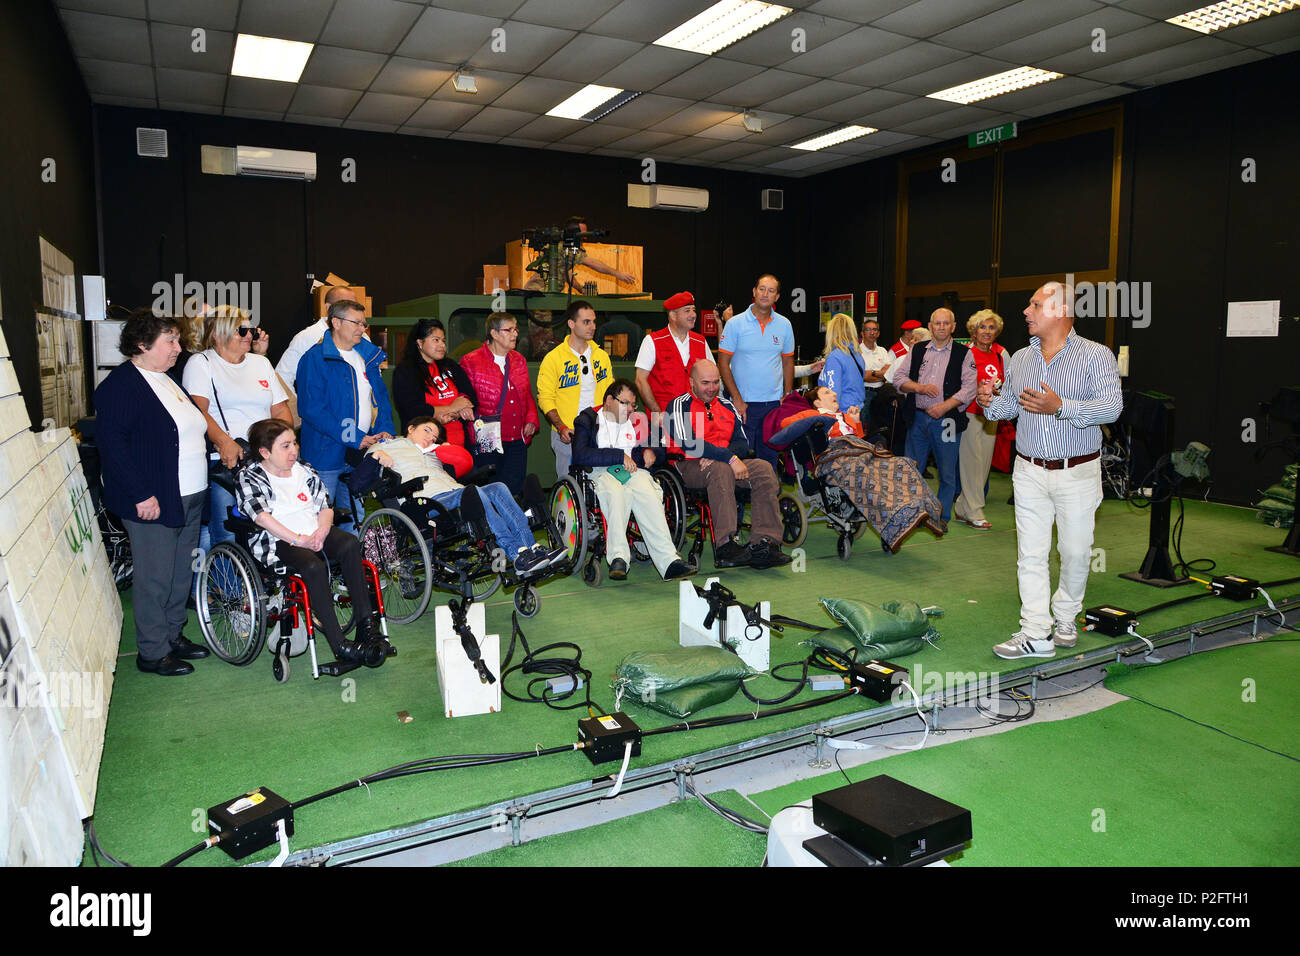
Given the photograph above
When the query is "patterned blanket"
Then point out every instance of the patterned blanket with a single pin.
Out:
(890, 492)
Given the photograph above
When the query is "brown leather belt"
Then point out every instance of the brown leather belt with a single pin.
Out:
(1055, 464)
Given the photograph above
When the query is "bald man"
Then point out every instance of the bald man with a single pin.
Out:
(711, 433)
(938, 380)
(1061, 388)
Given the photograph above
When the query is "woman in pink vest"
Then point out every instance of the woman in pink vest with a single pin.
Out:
(507, 415)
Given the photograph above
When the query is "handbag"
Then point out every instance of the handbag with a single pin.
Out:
(215, 465)
(487, 428)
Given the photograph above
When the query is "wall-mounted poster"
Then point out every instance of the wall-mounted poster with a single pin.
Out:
(830, 304)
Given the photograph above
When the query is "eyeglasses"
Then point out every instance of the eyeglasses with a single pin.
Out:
(626, 403)
(361, 322)
(249, 330)
(512, 330)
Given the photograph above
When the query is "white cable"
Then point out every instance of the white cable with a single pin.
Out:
(284, 844)
(1281, 617)
(835, 744)
(1150, 655)
(627, 759)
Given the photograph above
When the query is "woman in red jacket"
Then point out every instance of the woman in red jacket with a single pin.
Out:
(507, 415)
(981, 435)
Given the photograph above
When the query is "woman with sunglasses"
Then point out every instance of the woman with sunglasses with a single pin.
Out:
(234, 388)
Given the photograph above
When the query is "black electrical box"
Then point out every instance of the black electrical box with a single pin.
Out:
(1233, 587)
(605, 738)
(248, 822)
(892, 822)
(876, 679)
(1113, 621)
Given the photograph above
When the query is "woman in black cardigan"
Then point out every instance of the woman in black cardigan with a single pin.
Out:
(154, 461)
(428, 383)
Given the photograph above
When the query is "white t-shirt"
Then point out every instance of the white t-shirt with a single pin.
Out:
(645, 356)
(611, 434)
(246, 391)
(586, 390)
(365, 414)
(298, 346)
(291, 504)
(500, 360)
(191, 430)
(878, 359)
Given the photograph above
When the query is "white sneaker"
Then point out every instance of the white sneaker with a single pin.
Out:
(1065, 634)
(1022, 645)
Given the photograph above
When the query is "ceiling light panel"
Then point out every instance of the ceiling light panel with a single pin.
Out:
(266, 58)
(722, 25)
(996, 85)
(833, 137)
(1230, 13)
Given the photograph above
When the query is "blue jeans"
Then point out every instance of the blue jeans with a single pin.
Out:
(755, 413)
(214, 532)
(926, 435)
(340, 498)
(508, 523)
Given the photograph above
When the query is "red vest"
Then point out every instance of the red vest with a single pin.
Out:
(669, 378)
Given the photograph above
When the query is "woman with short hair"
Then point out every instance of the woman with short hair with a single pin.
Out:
(507, 414)
(150, 435)
(975, 456)
(233, 387)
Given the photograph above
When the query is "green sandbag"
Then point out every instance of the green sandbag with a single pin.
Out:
(886, 624)
(1280, 492)
(644, 671)
(837, 639)
(685, 701)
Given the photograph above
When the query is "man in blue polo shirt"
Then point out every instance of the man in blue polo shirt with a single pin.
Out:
(756, 359)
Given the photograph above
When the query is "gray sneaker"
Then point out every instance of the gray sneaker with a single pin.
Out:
(1022, 645)
(1065, 634)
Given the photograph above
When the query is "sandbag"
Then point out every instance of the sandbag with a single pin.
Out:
(893, 629)
(837, 639)
(685, 701)
(642, 672)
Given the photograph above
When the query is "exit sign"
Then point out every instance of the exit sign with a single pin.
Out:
(995, 135)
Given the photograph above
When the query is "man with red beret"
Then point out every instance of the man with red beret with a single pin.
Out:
(904, 344)
(663, 365)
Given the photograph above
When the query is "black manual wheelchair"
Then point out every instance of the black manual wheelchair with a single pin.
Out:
(238, 600)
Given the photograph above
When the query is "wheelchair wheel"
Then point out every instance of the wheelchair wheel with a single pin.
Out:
(527, 602)
(859, 530)
(674, 503)
(393, 544)
(342, 601)
(844, 546)
(568, 509)
(640, 553)
(593, 572)
(794, 519)
(280, 663)
(231, 604)
(485, 587)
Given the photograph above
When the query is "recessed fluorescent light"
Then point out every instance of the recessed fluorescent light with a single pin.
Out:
(587, 100)
(833, 137)
(266, 58)
(1230, 13)
(722, 25)
(996, 85)
(611, 104)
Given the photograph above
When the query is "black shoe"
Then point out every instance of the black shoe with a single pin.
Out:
(768, 554)
(732, 555)
(371, 653)
(552, 556)
(165, 666)
(677, 570)
(618, 570)
(527, 562)
(183, 649)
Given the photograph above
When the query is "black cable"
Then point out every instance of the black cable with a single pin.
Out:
(739, 718)
(95, 847)
(176, 860)
(1212, 727)
(533, 663)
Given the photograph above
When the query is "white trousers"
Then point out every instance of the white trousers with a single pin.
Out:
(1068, 498)
(974, 459)
(641, 498)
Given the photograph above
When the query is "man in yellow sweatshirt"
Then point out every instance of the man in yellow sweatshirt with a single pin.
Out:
(572, 377)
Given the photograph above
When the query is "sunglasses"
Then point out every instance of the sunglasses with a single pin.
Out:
(249, 330)
(586, 369)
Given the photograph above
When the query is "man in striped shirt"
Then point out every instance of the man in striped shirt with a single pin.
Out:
(1062, 388)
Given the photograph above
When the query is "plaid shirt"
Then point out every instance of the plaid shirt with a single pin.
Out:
(254, 497)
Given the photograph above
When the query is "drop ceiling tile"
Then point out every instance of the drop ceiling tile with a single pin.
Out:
(952, 123)
(703, 80)
(686, 146)
(192, 86)
(1158, 9)
(855, 10)
(917, 58)
(1073, 102)
(692, 119)
(1043, 93)
(566, 14)
(370, 127)
(210, 14)
(342, 69)
(1283, 46)
(112, 8)
(536, 94)
(585, 58)
(286, 19)
(762, 88)
(97, 37)
(1069, 37)
(1200, 67)
(253, 114)
(647, 142)
(246, 93)
(649, 67)
(549, 128)
(727, 152)
(522, 143)
(437, 114)
(646, 22)
(497, 122)
(1280, 26)
(860, 109)
(527, 46)
(411, 77)
(729, 129)
(772, 154)
(909, 111)
(375, 25)
(189, 107)
(323, 101)
(1137, 69)
(793, 130)
(598, 134)
(950, 74)
(313, 120)
(814, 96)
(863, 45)
(447, 36)
(926, 18)
(778, 44)
(803, 160)
(487, 8)
(1119, 47)
(1013, 22)
(107, 78)
(647, 110)
(570, 148)
(132, 101)
(474, 137)
(429, 133)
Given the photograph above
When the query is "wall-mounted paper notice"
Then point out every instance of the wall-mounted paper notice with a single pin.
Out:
(1253, 318)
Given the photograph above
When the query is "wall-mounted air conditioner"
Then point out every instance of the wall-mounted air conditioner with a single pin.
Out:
(679, 198)
(275, 163)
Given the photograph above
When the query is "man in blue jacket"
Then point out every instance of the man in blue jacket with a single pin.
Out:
(341, 396)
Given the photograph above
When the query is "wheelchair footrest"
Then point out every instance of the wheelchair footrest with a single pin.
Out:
(338, 668)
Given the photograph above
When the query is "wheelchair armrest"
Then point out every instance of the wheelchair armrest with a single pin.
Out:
(479, 475)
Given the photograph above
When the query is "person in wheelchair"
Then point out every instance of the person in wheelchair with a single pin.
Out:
(415, 457)
(713, 437)
(605, 440)
(287, 501)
